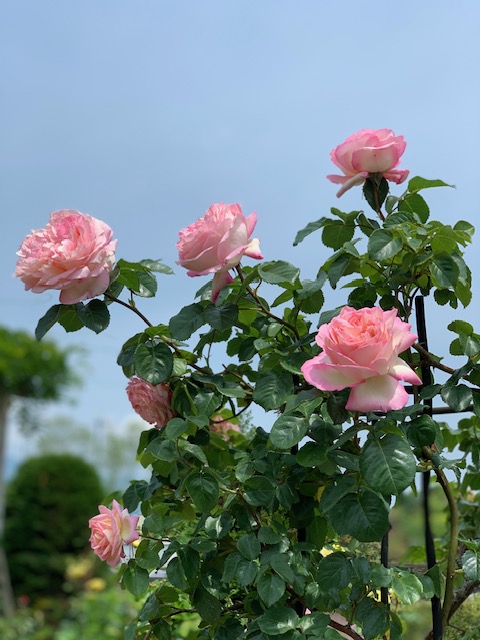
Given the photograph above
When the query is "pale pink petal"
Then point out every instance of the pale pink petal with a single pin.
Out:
(400, 370)
(397, 175)
(220, 280)
(253, 249)
(251, 221)
(358, 179)
(332, 377)
(381, 393)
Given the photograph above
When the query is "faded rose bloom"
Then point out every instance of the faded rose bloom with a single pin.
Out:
(361, 350)
(152, 403)
(111, 529)
(221, 426)
(75, 254)
(368, 151)
(217, 242)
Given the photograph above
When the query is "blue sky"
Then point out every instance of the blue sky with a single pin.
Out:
(144, 113)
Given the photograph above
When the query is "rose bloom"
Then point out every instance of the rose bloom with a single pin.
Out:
(217, 242)
(365, 152)
(152, 403)
(111, 529)
(75, 253)
(221, 426)
(360, 350)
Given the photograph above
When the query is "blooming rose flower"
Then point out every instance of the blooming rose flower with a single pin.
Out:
(365, 152)
(221, 426)
(360, 350)
(152, 403)
(75, 253)
(217, 242)
(111, 529)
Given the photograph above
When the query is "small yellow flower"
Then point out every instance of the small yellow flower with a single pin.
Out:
(95, 584)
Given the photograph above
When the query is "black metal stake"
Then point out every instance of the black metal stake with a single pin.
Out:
(426, 373)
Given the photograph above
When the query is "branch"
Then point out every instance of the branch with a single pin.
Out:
(346, 629)
(129, 306)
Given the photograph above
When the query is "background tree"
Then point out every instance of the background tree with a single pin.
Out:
(29, 370)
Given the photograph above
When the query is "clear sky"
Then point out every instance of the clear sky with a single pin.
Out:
(142, 113)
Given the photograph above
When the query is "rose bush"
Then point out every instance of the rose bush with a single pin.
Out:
(361, 350)
(152, 403)
(262, 534)
(111, 529)
(217, 242)
(367, 152)
(74, 254)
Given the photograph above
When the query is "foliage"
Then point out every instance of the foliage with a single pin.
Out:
(264, 536)
(49, 502)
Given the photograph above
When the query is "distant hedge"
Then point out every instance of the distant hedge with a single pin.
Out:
(49, 503)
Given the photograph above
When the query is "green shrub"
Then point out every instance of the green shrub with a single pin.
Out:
(49, 502)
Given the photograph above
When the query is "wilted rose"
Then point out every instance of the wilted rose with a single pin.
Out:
(152, 403)
(75, 254)
(111, 529)
(368, 151)
(361, 350)
(217, 242)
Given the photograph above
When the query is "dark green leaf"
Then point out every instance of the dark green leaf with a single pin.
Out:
(471, 565)
(94, 315)
(387, 464)
(270, 588)
(444, 272)
(278, 620)
(374, 618)
(383, 245)
(187, 321)
(272, 389)
(414, 203)
(157, 266)
(208, 607)
(203, 490)
(68, 317)
(135, 579)
(310, 228)
(336, 232)
(249, 546)
(288, 430)
(458, 397)
(221, 317)
(334, 572)
(278, 272)
(363, 515)
(417, 184)
(47, 321)
(153, 363)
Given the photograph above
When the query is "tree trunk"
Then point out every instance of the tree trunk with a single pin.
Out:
(6, 593)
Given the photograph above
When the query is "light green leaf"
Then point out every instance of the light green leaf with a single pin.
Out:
(387, 464)
(153, 362)
(383, 245)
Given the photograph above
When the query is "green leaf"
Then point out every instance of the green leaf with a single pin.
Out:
(153, 363)
(288, 430)
(414, 203)
(157, 266)
(272, 389)
(187, 321)
(458, 397)
(375, 191)
(336, 232)
(94, 315)
(461, 327)
(135, 579)
(363, 515)
(312, 454)
(221, 317)
(444, 272)
(334, 572)
(47, 321)
(249, 546)
(310, 228)
(259, 491)
(208, 607)
(278, 620)
(383, 245)
(278, 272)
(407, 586)
(471, 565)
(387, 464)
(175, 428)
(374, 618)
(270, 588)
(422, 431)
(417, 184)
(203, 490)
(68, 317)
(337, 269)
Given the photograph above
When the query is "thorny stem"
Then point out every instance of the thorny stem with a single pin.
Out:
(129, 306)
(448, 599)
(263, 307)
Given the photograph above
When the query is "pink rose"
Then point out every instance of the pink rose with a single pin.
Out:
(217, 242)
(111, 529)
(360, 350)
(221, 426)
(365, 152)
(152, 403)
(75, 253)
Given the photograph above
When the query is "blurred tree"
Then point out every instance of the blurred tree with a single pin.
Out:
(56, 495)
(29, 370)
